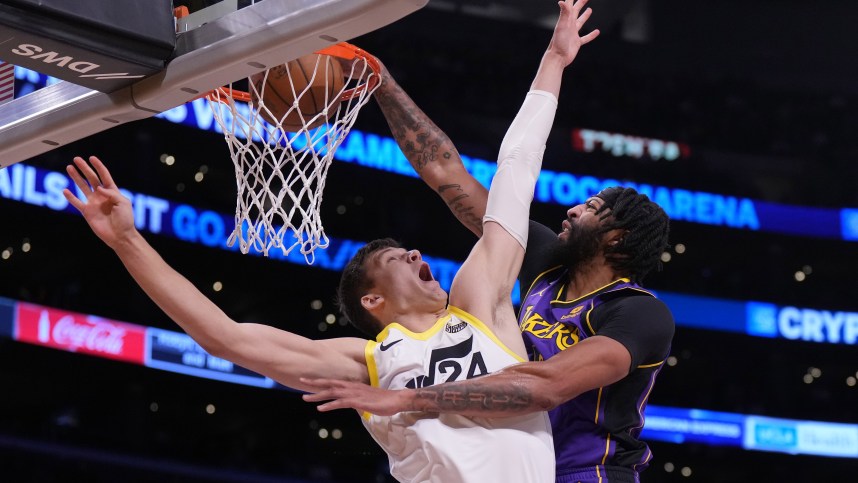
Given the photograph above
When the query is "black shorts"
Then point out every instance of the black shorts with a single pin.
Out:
(599, 474)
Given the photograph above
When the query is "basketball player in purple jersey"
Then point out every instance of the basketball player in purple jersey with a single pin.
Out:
(597, 339)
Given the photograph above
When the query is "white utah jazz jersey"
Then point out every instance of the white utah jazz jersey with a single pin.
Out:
(449, 448)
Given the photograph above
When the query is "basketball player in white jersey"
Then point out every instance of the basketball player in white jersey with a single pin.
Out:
(390, 291)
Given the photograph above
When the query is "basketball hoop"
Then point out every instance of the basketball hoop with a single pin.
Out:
(280, 174)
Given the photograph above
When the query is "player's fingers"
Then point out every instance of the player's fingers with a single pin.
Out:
(578, 6)
(589, 37)
(74, 200)
(78, 180)
(318, 396)
(87, 171)
(565, 7)
(584, 16)
(113, 195)
(330, 406)
(103, 173)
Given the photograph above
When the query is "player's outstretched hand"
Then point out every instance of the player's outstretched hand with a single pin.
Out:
(107, 212)
(355, 395)
(567, 39)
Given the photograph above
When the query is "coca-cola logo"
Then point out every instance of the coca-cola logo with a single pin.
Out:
(98, 336)
(80, 333)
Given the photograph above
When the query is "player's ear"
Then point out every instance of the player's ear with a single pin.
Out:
(372, 301)
(615, 237)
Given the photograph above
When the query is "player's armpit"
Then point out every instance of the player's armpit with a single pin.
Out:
(489, 273)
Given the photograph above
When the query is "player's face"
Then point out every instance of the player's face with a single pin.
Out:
(582, 217)
(581, 238)
(404, 278)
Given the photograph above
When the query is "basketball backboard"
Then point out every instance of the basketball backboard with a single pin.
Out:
(213, 48)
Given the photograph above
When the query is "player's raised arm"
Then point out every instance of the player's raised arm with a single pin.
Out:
(432, 155)
(430, 151)
(281, 355)
(487, 276)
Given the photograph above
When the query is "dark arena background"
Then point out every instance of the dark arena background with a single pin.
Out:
(738, 117)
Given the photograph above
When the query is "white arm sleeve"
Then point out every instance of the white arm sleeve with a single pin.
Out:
(519, 162)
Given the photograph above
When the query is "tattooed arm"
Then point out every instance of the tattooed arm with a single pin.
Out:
(432, 154)
(519, 389)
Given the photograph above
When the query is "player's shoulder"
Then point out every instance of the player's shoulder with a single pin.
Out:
(636, 302)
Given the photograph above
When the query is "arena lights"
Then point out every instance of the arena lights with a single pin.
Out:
(168, 159)
(177, 352)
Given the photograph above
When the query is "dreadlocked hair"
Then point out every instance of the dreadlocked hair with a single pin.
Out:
(646, 227)
(355, 282)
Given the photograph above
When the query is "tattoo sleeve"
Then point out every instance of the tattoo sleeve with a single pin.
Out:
(473, 397)
(459, 203)
(420, 139)
(425, 146)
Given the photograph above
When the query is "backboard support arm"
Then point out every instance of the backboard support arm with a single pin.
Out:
(229, 48)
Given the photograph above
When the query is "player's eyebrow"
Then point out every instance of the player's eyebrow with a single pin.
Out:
(379, 255)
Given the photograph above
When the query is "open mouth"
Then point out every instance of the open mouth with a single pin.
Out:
(566, 226)
(425, 274)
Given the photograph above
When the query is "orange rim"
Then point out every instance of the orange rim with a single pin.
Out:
(343, 50)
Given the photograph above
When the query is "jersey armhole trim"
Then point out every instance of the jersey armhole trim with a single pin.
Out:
(537, 279)
(372, 369)
(482, 327)
(647, 366)
(413, 335)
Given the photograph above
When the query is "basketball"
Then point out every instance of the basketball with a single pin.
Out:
(316, 80)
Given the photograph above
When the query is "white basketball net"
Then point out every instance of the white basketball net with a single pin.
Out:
(280, 175)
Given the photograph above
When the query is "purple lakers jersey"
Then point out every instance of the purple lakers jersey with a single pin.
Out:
(599, 428)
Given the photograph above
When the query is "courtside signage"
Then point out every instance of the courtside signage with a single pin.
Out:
(800, 437)
(794, 323)
(87, 334)
(762, 319)
(177, 352)
(39, 187)
(136, 344)
(751, 432)
(43, 188)
(693, 426)
(381, 152)
(7, 317)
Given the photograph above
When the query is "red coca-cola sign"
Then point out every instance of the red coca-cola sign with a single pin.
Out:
(86, 334)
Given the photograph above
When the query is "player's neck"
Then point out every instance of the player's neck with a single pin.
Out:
(588, 279)
(420, 321)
